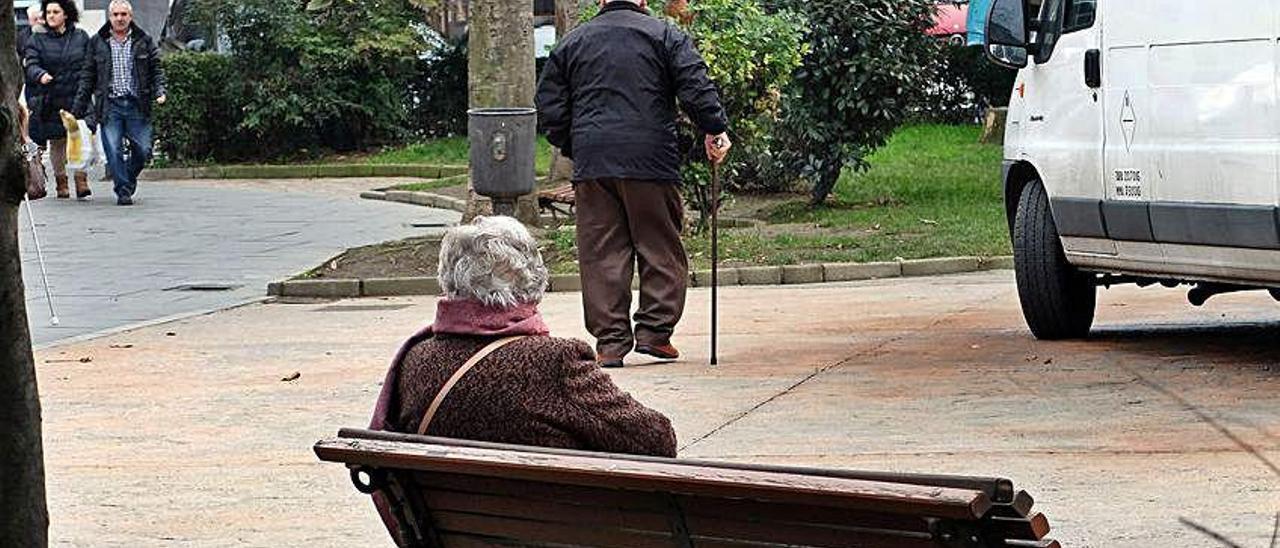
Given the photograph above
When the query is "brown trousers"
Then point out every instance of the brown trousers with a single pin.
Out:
(621, 224)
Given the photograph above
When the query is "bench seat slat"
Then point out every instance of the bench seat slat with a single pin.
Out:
(552, 533)
(661, 477)
(550, 512)
(539, 491)
(817, 536)
(751, 511)
(1020, 507)
(1035, 527)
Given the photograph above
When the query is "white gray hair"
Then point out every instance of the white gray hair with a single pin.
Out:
(494, 260)
(34, 11)
(122, 3)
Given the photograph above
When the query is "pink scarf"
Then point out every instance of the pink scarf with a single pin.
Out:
(459, 317)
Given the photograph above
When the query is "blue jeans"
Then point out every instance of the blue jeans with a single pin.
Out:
(124, 120)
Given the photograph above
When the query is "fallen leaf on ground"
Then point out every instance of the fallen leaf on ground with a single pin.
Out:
(295, 376)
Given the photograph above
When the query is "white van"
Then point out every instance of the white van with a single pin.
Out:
(1142, 146)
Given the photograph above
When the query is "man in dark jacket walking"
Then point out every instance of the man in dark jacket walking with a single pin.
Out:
(607, 99)
(120, 79)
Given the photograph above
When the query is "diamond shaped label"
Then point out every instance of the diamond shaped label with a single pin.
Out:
(1128, 122)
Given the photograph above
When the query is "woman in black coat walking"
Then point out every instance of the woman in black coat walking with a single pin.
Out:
(52, 61)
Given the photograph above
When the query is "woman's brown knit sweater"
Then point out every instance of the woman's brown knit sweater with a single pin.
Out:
(540, 391)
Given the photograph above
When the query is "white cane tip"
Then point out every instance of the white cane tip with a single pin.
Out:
(53, 321)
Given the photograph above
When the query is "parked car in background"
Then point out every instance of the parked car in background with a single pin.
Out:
(951, 22)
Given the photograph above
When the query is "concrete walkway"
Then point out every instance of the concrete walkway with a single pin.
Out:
(171, 253)
(1166, 421)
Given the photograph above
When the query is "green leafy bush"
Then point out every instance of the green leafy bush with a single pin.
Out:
(865, 57)
(327, 78)
(438, 92)
(963, 84)
(200, 120)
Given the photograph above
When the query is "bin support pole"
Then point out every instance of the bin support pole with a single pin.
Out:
(504, 207)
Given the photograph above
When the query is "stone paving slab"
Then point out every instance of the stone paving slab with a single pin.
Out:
(110, 266)
(194, 440)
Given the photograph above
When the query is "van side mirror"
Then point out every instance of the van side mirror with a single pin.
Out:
(1007, 42)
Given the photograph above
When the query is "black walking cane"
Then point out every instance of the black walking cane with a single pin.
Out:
(715, 246)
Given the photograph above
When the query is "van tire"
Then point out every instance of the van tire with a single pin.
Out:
(1058, 300)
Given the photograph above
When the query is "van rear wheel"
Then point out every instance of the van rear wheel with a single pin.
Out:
(1058, 300)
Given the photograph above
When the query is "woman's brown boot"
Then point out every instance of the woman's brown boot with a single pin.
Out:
(82, 185)
(63, 192)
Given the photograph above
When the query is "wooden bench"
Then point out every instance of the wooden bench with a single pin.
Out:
(455, 493)
(558, 200)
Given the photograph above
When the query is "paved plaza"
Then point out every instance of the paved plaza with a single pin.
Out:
(1165, 422)
(194, 246)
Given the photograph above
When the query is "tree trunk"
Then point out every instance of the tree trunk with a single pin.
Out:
(501, 74)
(24, 519)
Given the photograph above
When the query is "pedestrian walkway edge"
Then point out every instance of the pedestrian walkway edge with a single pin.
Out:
(754, 275)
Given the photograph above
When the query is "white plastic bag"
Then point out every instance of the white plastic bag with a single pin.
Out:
(83, 150)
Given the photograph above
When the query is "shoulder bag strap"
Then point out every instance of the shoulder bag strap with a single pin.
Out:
(457, 375)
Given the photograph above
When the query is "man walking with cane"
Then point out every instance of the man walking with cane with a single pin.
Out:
(607, 99)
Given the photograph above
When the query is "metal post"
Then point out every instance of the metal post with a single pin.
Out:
(504, 207)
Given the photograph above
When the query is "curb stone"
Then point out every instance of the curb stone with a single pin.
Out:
(997, 263)
(934, 267)
(726, 277)
(802, 274)
(852, 272)
(396, 287)
(760, 275)
(752, 275)
(320, 288)
(565, 282)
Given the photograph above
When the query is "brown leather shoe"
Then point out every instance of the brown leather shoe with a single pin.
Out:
(660, 351)
(609, 362)
(63, 191)
(82, 185)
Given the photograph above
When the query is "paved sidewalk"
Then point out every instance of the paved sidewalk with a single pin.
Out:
(112, 266)
(1169, 414)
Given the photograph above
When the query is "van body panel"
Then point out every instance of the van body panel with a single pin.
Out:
(1178, 173)
(1213, 264)
(1061, 124)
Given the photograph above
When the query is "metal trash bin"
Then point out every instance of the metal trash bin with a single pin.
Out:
(502, 154)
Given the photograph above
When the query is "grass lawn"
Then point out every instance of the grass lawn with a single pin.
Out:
(449, 151)
(932, 191)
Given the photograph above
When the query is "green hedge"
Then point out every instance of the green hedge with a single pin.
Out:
(201, 119)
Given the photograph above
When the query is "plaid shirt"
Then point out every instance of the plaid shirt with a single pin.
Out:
(122, 84)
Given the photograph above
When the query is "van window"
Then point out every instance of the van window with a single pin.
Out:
(1079, 16)
(1060, 17)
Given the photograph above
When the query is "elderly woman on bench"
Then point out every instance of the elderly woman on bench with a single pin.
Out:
(487, 370)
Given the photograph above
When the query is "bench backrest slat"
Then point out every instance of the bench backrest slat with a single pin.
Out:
(1000, 490)
(664, 477)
